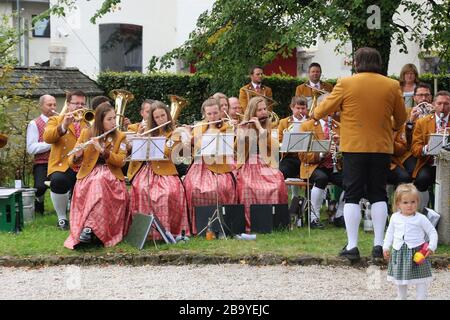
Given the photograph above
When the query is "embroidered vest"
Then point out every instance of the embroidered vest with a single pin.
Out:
(41, 157)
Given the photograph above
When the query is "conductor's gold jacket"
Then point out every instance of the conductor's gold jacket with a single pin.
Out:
(366, 102)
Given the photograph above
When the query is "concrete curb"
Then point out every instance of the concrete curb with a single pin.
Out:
(438, 262)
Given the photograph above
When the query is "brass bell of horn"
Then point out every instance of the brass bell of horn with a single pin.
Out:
(121, 98)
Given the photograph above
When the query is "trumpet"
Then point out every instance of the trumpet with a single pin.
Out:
(425, 109)
(84, 145)
(80, 114)
(321, 91)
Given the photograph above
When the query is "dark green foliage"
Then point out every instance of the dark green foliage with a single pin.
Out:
(197, 88)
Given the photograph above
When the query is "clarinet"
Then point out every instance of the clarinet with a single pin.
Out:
(334, 150)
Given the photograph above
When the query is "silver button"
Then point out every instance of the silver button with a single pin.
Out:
(60, 164)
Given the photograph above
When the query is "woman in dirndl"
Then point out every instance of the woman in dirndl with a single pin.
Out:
(155, 185)
(99, 207)
(407, 233)
(209, 179)
(258, 179)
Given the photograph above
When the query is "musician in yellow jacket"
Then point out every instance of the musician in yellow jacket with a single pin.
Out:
(314, 75)
(290, 163)
(62, 132)
(367, 101)
(320, 168)
(425, 172)
(100, 199)
(256, 86)
(155, 185)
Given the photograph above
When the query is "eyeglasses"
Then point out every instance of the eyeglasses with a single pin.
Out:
(78, 104)
(423, 95)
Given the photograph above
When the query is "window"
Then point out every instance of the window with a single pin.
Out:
(41, 28)
(120, 47)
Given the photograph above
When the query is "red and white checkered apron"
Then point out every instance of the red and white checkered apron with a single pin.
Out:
(201, 189)
(99, 201)
(161, 195)
(258, 183)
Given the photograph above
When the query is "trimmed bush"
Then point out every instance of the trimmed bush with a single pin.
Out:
(196, 89)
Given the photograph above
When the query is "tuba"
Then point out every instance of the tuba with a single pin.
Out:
(177, 104)
(121, 98)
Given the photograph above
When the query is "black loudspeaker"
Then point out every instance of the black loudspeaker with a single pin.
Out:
(264, 218)
(232, 217)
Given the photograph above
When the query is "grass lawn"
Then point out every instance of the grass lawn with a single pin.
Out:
(42, 238)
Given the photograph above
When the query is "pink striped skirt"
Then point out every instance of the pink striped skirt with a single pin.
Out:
(258, 183)
(201, 189)
(163, 196)
(99, 201)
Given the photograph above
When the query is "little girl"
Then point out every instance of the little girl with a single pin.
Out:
(406, 233)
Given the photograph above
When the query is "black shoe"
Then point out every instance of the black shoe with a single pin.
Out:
(352, 254)
(315, 224)
(38, 207)
(86, 235)
(63, 224)
(377, 252)
(339, 222)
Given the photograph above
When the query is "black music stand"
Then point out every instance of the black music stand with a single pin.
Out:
(218, 145)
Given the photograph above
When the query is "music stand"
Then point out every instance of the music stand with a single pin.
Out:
(148, 149)
(302, 142)
(219, 145)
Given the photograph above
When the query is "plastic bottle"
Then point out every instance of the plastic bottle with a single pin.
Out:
(210, 235)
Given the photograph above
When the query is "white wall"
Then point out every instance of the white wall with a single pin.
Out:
(38, 47)
(166, 24)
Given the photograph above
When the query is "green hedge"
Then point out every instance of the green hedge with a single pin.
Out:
(196, 89)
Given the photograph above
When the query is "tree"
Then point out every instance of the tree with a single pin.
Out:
(237, 34)
(15, 110)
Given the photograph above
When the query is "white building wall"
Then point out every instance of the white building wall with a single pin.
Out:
(166, 25)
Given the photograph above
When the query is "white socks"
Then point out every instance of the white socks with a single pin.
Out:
(424, 199)
(340, 208)
(60, 202)
(352, 217)
(421, 291)
(317, 197)
(402, 291)
(379, 213)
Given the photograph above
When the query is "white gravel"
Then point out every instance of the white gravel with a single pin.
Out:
(206, 282)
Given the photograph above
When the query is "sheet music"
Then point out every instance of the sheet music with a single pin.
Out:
(144, 149)
(296, 142)
(320, 146)
(435, 144)
(217, 144)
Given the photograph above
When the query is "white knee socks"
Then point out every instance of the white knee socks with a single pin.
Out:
(379, 214)
(402, 291)
(317, 197)
(421, 291)
(352, 217)
(424, 198)
(60, 202)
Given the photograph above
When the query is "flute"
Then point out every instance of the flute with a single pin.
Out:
(84, 145)
(251, 121)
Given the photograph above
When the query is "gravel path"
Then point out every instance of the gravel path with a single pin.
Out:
(205, 282)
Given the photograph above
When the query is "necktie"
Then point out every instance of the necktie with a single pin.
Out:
(258, 88)
(317, 86)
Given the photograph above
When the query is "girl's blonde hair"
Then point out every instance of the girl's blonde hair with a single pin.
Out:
(402, 189)
(252, 107)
